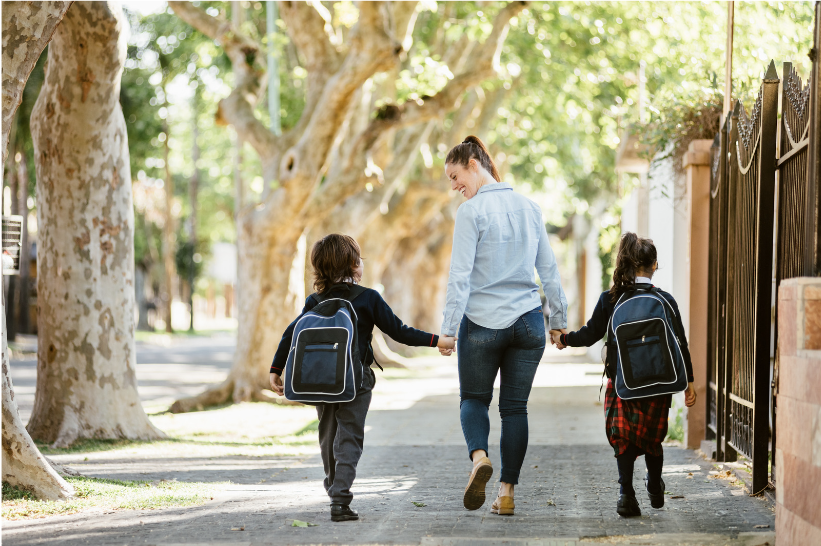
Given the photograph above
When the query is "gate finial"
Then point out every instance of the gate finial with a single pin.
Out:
(772, 73)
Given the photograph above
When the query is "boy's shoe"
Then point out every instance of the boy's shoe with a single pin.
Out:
(656, 499)
(628, 506)
(342, 512)
(475, 490)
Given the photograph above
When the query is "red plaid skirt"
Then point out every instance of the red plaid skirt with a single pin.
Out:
(641, 422)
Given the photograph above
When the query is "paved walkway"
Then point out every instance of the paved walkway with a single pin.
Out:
(414, 452)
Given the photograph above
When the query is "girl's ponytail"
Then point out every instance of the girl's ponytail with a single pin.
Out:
(473, 148)
(635, 254)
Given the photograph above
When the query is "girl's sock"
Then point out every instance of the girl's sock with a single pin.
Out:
(654, 466)
(626, 462)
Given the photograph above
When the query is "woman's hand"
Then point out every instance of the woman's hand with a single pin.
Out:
(690, 396)
(556, 336)
(446, 345)
(276, 384)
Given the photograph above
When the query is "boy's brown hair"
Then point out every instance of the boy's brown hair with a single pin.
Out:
(334, 257)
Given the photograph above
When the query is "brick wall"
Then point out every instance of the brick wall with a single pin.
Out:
(798, 426)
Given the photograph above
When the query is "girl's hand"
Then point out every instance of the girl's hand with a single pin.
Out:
(446, 345)
(690, 396)
(276, 384)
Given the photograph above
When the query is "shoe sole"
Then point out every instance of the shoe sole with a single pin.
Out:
(625, 513)
(475, 492)
(344, 518)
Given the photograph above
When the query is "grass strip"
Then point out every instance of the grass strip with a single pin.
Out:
(106, 494)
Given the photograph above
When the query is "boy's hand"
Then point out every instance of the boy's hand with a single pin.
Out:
(276, 384)
(446, 345)
(690, 396)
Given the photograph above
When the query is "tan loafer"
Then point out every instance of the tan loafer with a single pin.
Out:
(503, 506)
(475, 490)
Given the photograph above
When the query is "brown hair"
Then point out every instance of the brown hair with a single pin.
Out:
(635, 254)
(334, 257)
(473, 148)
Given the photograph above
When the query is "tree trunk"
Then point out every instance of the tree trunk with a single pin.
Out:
(331, 154)
(168, 237)
(193, 189)
(265, 261)
(27, 28)
(23, 464)
(86, 383)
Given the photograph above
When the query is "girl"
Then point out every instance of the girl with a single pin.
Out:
(634, 427)
(337, 266)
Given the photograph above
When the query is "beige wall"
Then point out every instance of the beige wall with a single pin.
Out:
(798, 424)
(696, 163)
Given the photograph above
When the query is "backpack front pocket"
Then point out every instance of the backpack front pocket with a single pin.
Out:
(320, 360)
(644, 355)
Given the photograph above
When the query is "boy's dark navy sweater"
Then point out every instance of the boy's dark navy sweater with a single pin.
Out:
(596, 327)
(371, 310)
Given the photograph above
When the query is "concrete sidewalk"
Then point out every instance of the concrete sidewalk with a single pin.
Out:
(414, 453)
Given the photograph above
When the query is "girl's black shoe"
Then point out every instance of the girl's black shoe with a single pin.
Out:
(342, 512)
(656, 499)
(628, 506)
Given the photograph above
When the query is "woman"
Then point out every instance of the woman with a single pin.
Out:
(493, 305)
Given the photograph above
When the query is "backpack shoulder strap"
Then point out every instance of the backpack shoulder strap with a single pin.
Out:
(676, 318)
(355, 291)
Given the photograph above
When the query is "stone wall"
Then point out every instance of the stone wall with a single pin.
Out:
(798, 425)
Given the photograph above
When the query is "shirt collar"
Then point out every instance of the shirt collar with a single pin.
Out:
(644, 280)
(494, 187)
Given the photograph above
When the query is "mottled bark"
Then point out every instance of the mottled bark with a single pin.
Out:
(329, 156)
(86, 383)
(23, 464)
(27, 28)
(168, 243)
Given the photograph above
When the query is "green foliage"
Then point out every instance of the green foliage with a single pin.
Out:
(574, 70)
(609, 238)
(201, 252)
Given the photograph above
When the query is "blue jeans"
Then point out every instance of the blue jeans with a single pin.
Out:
(515, 353)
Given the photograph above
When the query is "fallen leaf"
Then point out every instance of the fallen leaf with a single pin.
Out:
(761, 526)
(551, 503)
(419, 504)
(298, 523)
(237, 528)
(677, 497)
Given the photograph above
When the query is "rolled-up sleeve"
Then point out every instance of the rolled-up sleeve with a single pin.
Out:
(548, 271)
(465, 239)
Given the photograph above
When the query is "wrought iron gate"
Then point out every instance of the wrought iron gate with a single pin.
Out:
(747, 221)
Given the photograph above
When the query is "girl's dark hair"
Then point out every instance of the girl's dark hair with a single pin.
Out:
(334, 257)
(473, 148)
(635, 254)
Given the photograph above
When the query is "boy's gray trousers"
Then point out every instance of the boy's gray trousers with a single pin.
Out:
(341, 437)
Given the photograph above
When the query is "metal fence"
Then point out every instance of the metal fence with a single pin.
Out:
(763, 220)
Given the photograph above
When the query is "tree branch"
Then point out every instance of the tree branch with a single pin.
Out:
(248, 61)
(482, 64)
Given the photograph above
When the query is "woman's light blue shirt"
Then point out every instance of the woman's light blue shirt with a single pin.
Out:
(498, 241)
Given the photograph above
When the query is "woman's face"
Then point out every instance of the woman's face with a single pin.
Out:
(465, 180)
